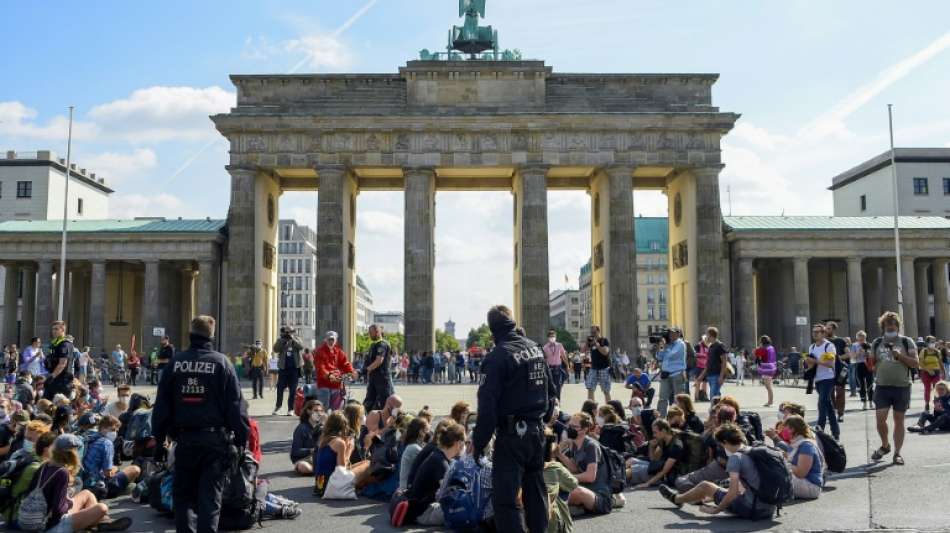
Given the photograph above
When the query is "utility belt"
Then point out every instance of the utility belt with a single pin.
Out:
(520, 425)
(214, 434)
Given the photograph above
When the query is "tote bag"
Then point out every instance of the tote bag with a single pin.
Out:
(341, 485)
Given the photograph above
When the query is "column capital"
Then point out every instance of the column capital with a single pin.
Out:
(707, 170)
(942, 261)
(621, 170)
(800, 260)
(423, 170)
(855, 259)
(238, 169)
(534, 168)
(330, 168)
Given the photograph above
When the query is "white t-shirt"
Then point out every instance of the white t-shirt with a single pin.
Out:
(272, 362)
(816, 351)
(857, 354)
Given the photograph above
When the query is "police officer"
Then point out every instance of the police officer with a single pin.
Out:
(515, 398)
(59, 362)
(379, 378)
(200, 406)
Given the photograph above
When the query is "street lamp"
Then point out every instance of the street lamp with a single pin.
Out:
(62, 250)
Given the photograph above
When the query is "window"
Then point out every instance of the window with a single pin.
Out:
(921, 187)
(864, 202)
(946, 186)
(300, 266)
(650, 297)
(307, 264)
(662, 296)
(24, 189)
(651, 314)
(79, 206)
(662, 312)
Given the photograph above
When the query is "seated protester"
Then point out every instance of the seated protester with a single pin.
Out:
(691, 420)
(557, 479)
(99, 473)
(420, 505)
(582, 456)
(426, 413)
(9, 431)
(31, 434)
(612, 433)
(426, 450)
(716, 458)
(44, 407)
(590, 407)
(253, 435)
(120, 405)
(302, 445)
(618, 408)
(23, 391)
(335, 448)
(380, 420)
(640, 386)
(355, 416)
(676, 418)
(740, 498)
(62, 419)
(666, 453)
(460, 412)
(22, 482)
(803, 455)
(412, 443)
(939, 420)
(781, 433)
(635, 432)
(96, 399)
(82, 511)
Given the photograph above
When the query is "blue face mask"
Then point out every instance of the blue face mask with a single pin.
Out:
(28, 445)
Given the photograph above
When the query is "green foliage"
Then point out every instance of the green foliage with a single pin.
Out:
(396, 341)
(445, 343)
(480, 337)
(567, 340)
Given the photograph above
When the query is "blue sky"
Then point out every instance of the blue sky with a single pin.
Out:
(810, 78)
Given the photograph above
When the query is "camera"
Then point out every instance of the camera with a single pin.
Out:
(665, 335)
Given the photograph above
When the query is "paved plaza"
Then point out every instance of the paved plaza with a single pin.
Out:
(865, 497)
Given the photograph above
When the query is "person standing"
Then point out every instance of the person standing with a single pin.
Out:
(289, 352)
(307, 366)
(199, 405)
(379, 380)
(672, 358)
(599, 350)
(865, 376)
(712, 369)
(257, 364)
(515, 398)
(331, 366)
(767, 357)
(555, 356)
(32, 358)
(893, 356)
(842, 354)
(930, 368)
(822, 357)
(165, 355)
(59, 363)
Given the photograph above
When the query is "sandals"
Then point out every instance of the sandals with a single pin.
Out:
(880, 453)
(898, 460)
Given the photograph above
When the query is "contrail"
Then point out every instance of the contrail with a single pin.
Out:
(187, 163)
(339, 31)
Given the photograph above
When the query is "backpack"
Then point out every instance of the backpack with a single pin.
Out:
(832, 451)
(751, 424)
(140, 425)
(694, 452)
(242, 500)
(614, 436)
(384, 454)
(464, 495)
(775, 480)
(616, 471)
(34, 512)
(10, 472)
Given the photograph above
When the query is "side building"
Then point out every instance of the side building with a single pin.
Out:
(297, 259)
(364, 306)
(923, 185)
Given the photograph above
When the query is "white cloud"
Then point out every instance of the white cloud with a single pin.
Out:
(318, 51)
(116, 167)
(163, 113)
(379, 224)
(127, 206)
(18, 121)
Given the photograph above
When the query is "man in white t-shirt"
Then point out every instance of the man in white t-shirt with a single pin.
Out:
(822, 355)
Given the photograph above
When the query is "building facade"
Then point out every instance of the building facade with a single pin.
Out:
(391, 321)
(297, 257)
(923, 183)
(364, 306)
(450, 328)
(566, 313)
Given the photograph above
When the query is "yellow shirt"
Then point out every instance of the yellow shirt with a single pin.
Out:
(930, 359)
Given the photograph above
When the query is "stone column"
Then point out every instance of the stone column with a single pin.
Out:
(44, 299)
(923, 304)
(335, 254)
(872, 300)
(419, 259)
(855, 295)
(941, 302)
(532, 304)
(745, 310)
(889, 286)
(206, 300)
(802, 304)
(909, 292)
(189, 301)
(242, 250)
(151, 316)
(28, 311)
(97, 306)
(621, 261)
(12, 273)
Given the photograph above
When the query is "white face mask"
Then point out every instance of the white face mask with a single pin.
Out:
(363, 420)
(728, 453)
(552, 339)
(636, 411)
(112, 435)
(314, 418)
(890, 334)
(124, 399)
(394, 412)
(600, 420)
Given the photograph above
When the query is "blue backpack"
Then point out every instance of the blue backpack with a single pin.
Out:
(465, 494)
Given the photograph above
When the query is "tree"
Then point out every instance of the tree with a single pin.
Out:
(480, 337)
(565, 338)
(396, 342)
(444, 342)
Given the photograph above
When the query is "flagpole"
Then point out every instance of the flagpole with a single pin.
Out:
(897, 235)
(62, 250)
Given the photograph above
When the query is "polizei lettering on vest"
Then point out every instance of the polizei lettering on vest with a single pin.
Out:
(195, 367)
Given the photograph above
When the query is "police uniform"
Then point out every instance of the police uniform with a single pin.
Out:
(515, 396)
(63, 383)
(200, 406)
(379, 382)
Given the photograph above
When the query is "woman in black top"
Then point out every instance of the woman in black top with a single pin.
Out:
(421, 493)
(305, 436)
(691, 420)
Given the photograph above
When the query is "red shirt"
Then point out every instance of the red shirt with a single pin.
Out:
(254, 441)
(328, 360)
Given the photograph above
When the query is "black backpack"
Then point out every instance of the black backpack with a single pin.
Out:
(775, 480)
(836, 460)
(614, 437)
(384, 455)
(751, 424)
(694, 452)
(241, 504)
(616, 473)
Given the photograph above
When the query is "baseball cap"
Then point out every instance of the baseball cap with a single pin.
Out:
(67, 441)
(331, 334)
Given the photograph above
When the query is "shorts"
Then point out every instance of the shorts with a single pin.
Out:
(273, 371)
(694, 372)
(603, 503)
(897, 398)
(65, 525)
(598, 377)
(116, 485)
(743, 506)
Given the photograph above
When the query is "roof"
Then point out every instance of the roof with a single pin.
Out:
(34, 160)
(652, 229)
(145, 225)
(901, 155)
(819, 223)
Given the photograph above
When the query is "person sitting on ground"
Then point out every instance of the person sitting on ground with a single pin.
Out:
(739, 498)
(582, 456)
(302, 446)
(32, 432)
(781, 433)
(460, 412)
(335, 449)
(420, 505)
(640, 386)
(716, 458)
(82, 511)
(121, 404)
(431, 446)
(611, 432)
(666, 453)
(635, 430)
(426, 413)
(618, 408)
(99, 470)
(676, 417)
(691, 420)
(590, 407)
(939, 420)
(380, 420)
(413, 442)
(62, 419)
(557, 479)
(805, 459)
(21, 483)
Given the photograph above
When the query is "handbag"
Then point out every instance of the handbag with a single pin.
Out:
(341, 485)
(727, 370)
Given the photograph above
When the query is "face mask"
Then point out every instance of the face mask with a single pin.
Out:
(932, 345)
(124, 399)
(363, 420)
(599, 420)
(636, 411)
(394, 412)
(571, 433)
(314, 418)
(565, 435)
(890, 334)
(28, 445)
(728, 453)
(786, 434)
(552, 339)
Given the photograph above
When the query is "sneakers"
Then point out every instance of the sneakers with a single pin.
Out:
(289, 413)
(669, 494)
(864, 405)
(118, 524)
(275, 412)
(915, 429)
(618, 501)
(399, 513)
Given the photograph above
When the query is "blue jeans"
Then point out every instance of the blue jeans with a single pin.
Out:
(853, 377)
(826, 406)
(714, 386)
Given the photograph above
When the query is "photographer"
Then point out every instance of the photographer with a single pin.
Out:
(289, 352)
(671, 354)
(599, 348)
